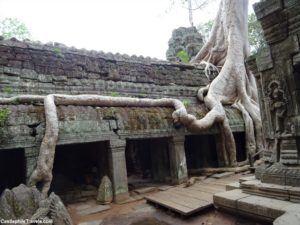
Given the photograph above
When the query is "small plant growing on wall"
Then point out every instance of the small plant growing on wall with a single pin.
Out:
(186, 103)
(58, 52)
(4, 113)
(183, 56)
(115, 94)
(7, 90)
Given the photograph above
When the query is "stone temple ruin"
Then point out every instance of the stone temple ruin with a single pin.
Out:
(126, 143)
(115, 141)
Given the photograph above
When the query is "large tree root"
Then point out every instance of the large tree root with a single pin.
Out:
(228, 47)
(43, 173)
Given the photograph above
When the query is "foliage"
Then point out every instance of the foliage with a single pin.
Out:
(4, 113)
(58, 52)
(183, 56)
(186, 103)
(255, 32)
(115, 94)
(205, 28)
(7, 90)
(191, 6)
(12, 27)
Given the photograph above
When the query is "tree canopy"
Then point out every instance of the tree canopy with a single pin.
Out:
(255, 33)
(13, 27)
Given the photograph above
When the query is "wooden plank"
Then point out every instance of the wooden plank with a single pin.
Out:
(164, 196)
(185, 201)
(211, 184)
(207, 189)
(200, 195)
(216, 183)
(169, 204)
(179, 203)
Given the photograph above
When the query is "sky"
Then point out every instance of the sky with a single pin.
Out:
(133, 27)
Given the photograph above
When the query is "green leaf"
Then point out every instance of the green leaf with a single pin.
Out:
(183, 56)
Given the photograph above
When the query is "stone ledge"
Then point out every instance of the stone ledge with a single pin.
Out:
(256, 187)
(262, 208)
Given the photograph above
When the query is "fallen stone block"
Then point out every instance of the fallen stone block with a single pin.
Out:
(232, 186)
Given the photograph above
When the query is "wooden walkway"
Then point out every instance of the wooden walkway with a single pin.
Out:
(190, 200)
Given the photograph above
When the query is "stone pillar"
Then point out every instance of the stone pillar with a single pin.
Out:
(118, 169)
(31, 156)
(177, 160)
(221, 154)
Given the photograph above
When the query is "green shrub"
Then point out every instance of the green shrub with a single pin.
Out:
(115, 94)
(183, 56)
(4, 113)
(7, 90)
(186, 103)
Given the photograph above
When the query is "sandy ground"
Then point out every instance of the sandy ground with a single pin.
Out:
(141, 213)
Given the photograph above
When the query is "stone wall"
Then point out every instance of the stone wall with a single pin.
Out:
(277, 70)
(32, 68)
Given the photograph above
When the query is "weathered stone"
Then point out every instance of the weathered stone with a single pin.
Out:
(186, 39)
(105, 192)
(228, 199)
(23, 202)
(288, 218)
(232, 186)
(259, 207)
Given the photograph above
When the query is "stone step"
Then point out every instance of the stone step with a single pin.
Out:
(256, 187)
(262, 208)
(232, 186)
(243, 179)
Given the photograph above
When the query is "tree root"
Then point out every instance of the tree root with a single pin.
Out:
(43, 171)
(238, 169)
(228, 46)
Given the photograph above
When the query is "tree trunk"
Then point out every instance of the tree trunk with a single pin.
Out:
(228, 48)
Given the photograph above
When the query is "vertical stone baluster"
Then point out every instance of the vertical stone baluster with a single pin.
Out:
(118, 169)
(177, 160)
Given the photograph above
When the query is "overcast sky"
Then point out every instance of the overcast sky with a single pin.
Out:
(140, 27)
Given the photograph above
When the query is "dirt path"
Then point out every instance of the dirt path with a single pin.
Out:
(141, 213)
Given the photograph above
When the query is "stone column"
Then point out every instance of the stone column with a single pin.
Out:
(31, 156)
(118, 169)
(221, 154)
(177, 160)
